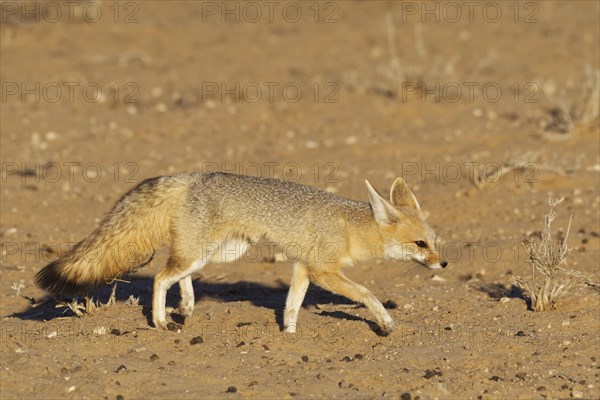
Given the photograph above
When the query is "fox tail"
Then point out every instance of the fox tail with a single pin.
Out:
(137, 224)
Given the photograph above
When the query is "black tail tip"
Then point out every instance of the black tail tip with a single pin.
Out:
(52, 279)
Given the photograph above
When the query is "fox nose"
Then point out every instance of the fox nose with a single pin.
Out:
(444, 264)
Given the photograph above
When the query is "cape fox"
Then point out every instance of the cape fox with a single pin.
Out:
(203, 216)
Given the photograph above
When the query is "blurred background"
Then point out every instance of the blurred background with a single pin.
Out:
(486, 108)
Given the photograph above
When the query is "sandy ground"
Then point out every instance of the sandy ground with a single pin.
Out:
(101, 95)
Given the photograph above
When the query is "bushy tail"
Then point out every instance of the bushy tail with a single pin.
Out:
(138, 223)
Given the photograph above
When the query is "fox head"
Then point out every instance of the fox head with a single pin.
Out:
(406, 235)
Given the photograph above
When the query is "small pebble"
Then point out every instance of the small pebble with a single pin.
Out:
(173, 327)
(305, 358)
(577, 394)
(154, 357)
(196, 340)
(100, 330)
(231, 389)
(431, 373)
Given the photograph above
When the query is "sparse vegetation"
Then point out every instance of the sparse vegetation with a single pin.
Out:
(547, 258)
(526, 163)
(564, 118)
(88, 305)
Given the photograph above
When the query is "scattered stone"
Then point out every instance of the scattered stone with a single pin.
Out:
(521, 375)
(346, 359)
(390, 305)
(311, 144)
(173, 327)
(267, 348)
(196, 340)
(495, 378)
(359, 356)
(405, 396)
(520, 333)
(100, 330)
(541, 388)
(115, 332)
(121, 368)
(52, 335)
(577, 394)
(231, 389)
(240, 344)
(305, 358)
(120, 397)
(351, 140)
(431, 373)
(154, 357)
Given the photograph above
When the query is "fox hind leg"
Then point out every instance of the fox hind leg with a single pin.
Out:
(298, 288)
(186, 306)
(165, 279)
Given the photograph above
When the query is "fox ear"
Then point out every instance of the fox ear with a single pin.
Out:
(384, 213)
(401, 196)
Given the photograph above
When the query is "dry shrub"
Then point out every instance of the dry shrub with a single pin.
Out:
(546, 258)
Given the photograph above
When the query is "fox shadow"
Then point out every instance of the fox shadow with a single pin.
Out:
(140, 288)
(497, 291)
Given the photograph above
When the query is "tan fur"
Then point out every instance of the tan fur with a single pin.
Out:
(211, 217)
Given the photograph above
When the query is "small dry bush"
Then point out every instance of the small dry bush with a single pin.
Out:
(546, 258)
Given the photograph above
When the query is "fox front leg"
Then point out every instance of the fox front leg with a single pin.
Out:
(338, 283)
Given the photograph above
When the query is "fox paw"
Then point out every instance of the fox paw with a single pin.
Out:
(160, 325)
(387, 327)
(185, 311)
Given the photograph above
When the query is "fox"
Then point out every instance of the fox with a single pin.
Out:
(203, 216)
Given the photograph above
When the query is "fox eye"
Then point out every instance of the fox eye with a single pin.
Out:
(421, 243)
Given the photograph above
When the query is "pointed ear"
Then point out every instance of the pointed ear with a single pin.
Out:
(401, 196)
(383, 212)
